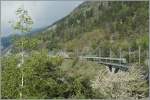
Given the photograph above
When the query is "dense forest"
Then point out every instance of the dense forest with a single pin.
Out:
(92, 25)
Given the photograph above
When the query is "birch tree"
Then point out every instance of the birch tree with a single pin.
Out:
(22, 24)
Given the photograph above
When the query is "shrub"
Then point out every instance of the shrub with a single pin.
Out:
(121, 84)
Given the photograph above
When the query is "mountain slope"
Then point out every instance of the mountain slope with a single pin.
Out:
(95, 24)
(119, 20)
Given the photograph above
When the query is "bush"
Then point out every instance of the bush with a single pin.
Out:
(121, 84)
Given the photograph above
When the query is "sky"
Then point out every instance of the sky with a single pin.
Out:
(43, 13)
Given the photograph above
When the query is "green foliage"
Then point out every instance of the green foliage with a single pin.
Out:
(143, 41)
(10, 78)
(42, 79)
(24, 21)
(28, 44)
(23, 24)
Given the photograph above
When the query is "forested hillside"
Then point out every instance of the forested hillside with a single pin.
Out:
(105, 24)
(93, 25)
(117, 21)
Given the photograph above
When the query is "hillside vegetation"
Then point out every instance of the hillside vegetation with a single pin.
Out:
(97, 25)
(117, 21)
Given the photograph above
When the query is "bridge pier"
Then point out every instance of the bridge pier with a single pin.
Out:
(110, 68)
(114, 70)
